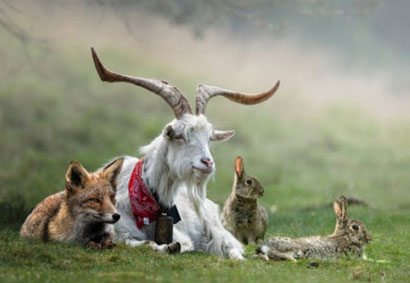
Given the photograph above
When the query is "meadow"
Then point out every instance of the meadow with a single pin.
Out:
(55, 109)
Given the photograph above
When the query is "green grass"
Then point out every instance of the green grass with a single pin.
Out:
(38, 262)
(304, 156)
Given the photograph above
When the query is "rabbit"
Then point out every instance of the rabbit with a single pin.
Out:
(241, 214)
(350, 235)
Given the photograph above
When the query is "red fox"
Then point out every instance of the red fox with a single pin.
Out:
(82, 213)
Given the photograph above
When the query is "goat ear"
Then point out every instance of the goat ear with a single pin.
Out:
(222, 135)
(112, 170)
(76, 177)
(169, 132)
(340, 208)
(239, 169)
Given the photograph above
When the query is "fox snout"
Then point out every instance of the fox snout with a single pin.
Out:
(102, 209)
(111, 214)
(116, 217)
(111, 218)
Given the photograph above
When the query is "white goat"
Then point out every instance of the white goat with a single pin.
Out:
(177, 167)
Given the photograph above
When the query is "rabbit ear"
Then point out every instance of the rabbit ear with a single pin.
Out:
(239, 167)
(340, 208)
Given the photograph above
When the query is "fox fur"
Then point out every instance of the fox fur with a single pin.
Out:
(242, 215)
(83, 213)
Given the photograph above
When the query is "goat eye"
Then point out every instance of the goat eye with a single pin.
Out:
(355, 226)
(96, 200)
(249, 182)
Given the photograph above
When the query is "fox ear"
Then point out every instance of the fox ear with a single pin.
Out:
(340, 208)
(76, 177)
(239, 169)
(112, 170)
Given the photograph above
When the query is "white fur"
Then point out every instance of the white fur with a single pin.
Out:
(174, 169)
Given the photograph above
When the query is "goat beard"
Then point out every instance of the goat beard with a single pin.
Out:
(197, 194)
(211, 228)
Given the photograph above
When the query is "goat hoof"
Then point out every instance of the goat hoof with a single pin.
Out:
(174, 248)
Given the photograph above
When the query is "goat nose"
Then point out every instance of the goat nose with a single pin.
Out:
(207, 161)
(116, 216)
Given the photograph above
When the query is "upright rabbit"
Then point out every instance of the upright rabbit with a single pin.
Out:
(350, 236)
(242, 215)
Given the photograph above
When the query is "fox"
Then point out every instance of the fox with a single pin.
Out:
(84, 213)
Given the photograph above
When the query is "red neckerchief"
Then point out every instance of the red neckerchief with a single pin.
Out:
(144, 206)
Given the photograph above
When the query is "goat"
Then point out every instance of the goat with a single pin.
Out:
(177, 166)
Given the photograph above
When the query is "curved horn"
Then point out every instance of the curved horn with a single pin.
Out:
(206, 92)
(172, 95)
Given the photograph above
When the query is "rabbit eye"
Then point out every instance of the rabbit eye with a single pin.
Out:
(249, 182)
(355, 226)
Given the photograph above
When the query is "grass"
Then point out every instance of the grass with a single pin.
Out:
(38, 262)
(304, 156)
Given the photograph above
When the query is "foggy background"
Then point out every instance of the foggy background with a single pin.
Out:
(339, 123)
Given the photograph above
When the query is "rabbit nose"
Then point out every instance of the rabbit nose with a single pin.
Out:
(208, 162)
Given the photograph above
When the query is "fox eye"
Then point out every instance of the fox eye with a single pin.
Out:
(249, 182)
(96, 200)
(355, 226)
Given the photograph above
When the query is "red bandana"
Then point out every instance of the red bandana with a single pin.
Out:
(144, 206)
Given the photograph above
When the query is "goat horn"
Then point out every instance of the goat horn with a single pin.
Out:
(206, 92)
(172, 95)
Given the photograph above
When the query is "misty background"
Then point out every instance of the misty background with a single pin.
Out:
(339, 123)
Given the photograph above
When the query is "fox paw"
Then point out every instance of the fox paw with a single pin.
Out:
(93, 245)
(107, 244)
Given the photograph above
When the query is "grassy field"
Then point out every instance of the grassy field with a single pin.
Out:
(304, 155)
(37, 262)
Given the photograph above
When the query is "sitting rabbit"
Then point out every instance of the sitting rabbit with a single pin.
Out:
(242, 215)
(350, 235)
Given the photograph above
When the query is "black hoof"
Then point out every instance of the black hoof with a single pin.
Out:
(174, 248)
